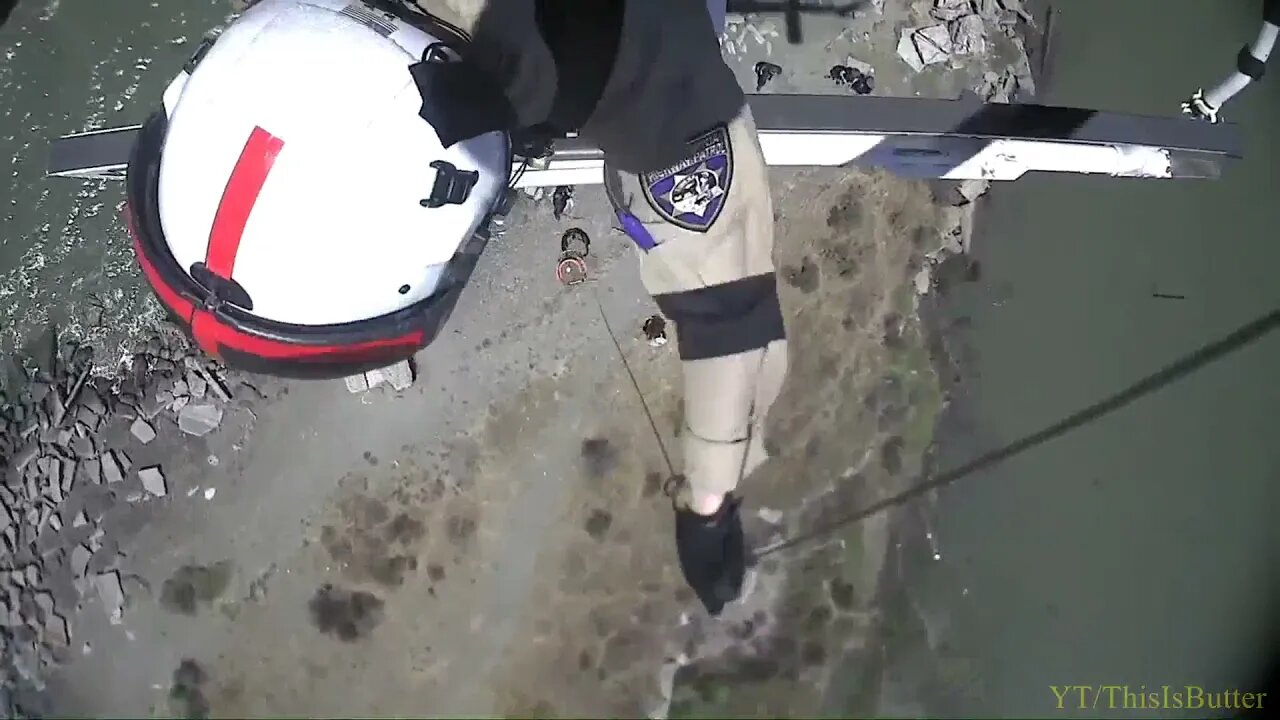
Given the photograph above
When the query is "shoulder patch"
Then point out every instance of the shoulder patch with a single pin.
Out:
(691, 194)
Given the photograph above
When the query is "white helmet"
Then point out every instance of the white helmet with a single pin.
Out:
(298, 185)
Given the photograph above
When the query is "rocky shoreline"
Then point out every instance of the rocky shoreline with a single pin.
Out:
(66, 438)
(70, 439)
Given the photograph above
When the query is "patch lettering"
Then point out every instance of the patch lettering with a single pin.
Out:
(691, 194)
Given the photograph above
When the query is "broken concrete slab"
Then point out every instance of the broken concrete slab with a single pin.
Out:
(111, 593)
(25, 455)
(199, 420)
(920, 47)
(948, 10)
(153, 481)
(111, 470)
(968, 36)
(79, 561)
(197, 386)
(57, 631)
(143, 431)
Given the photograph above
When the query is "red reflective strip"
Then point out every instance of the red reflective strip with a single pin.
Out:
(238, 199)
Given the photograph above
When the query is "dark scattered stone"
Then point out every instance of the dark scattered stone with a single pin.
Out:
(186, 696)
(599, 457)
(404, 529)
(585, 661)
(560, 200)
(846, 213)
(841, 594)
(435, 572)
(765, 73)
(598, 524)
(891, 455)
(852, 78)
(804, 278)
(346, 615)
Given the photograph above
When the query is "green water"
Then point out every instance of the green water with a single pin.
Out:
(67, 66)
(1140, 549)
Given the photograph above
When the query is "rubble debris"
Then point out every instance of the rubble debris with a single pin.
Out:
(968, 36)
(399, 376)
(860, 82)
(199, 420)
(998, 87)
(111, 593)
(765, 73)
(153, 481)
(561, 201)
(920, 47)
(655, 331)
(948, 10)
(971, 190)
(143, 431)
(112, 472)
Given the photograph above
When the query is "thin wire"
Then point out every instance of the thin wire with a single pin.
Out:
(1242, 337)
(671, 468)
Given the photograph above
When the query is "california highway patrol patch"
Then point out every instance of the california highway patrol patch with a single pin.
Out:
(692, 193)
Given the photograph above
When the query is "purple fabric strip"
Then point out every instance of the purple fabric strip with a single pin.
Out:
(636, 230)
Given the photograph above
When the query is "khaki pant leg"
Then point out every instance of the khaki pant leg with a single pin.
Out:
(705, 228)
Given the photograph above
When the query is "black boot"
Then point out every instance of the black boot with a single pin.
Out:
(712, 553)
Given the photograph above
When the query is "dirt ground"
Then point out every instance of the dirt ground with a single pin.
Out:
(495, 540)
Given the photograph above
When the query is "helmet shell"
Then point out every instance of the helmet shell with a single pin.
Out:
(335, 230)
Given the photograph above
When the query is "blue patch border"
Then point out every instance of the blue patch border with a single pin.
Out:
(698, 144)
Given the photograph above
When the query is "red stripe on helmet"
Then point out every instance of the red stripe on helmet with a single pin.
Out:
(238, 199)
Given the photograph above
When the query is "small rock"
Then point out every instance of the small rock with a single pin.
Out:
(196, 385)
(765, 73)
(209, 493)
(180, 388)
(179, 403)
(143, 431)
(55, 521)
(971, 190)
(153, 480)
(199, 420)
(80, 520)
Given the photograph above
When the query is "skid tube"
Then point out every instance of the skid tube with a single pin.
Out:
(911, 137)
